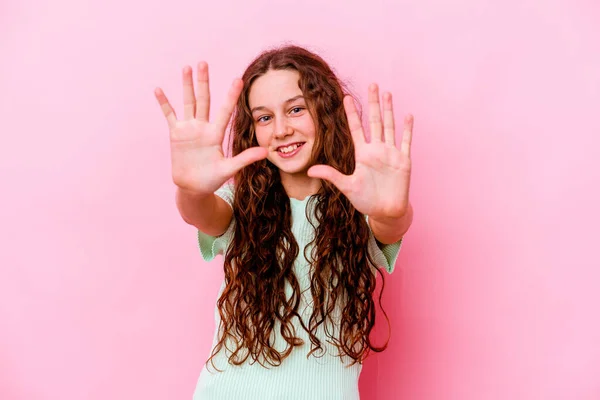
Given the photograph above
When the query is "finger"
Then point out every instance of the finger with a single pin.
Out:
(167, 110)
(227, 109)
(189, 101)
(245, 158)
(407, 135)
(388, 120)
(203, 100)
(375, 114)
(354, 121)
(330, 174)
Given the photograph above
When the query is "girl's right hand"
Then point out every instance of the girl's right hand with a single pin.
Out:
(198, 164)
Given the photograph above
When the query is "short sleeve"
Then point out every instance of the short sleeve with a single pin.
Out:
(211, 246)
(384, 255)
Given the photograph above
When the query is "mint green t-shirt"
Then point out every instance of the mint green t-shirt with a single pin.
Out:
(384, 255)
(299, 377)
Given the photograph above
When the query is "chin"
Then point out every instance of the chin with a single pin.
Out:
(292, 170)
(290, 167)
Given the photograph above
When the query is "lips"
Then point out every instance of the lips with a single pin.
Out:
(291, 153)
(289, 144)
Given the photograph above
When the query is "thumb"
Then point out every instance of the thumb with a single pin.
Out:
(246, 158)
(329, 174)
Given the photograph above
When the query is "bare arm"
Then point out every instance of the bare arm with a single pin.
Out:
(392, 230)
(208, 213)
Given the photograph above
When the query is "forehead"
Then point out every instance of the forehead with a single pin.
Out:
(274, 88)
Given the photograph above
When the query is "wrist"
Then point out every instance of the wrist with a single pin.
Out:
(193, 194)
(391, 229)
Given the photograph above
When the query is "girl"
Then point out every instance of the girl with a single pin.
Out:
(312, 212)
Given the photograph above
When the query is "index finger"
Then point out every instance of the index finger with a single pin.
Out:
(354, 121)
(227, 109)
(167, 110)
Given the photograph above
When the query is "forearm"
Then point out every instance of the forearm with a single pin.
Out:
(391, 230)
(208, 213)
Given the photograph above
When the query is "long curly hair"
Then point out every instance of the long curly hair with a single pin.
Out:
(260, 257)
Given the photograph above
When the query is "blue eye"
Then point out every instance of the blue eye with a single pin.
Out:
(261, 118)
(297, 108)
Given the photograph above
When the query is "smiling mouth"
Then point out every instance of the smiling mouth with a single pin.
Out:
(289, 148)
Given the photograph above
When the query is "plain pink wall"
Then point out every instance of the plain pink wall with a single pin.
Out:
(103, 294)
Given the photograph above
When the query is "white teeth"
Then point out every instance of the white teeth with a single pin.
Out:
(289, 148)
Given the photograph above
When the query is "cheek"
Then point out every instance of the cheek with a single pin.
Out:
(262, 136)
(306, 126)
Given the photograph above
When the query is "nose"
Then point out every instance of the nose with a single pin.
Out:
(282, 129)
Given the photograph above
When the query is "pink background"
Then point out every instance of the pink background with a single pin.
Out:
(103, 294)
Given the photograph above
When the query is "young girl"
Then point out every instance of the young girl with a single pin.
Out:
(312, 213)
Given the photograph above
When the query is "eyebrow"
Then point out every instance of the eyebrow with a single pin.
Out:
(285, 102)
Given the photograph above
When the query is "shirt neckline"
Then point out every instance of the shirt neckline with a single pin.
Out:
(292, 199)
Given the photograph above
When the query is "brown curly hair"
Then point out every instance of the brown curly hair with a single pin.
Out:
(261, 255)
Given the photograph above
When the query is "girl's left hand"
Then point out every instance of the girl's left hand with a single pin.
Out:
(379, 186)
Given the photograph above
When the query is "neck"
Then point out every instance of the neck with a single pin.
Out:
(299, 186)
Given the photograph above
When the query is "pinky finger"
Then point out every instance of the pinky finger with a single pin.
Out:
(167, 110)
(407, 135)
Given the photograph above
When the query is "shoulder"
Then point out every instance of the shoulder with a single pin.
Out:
(227, 192)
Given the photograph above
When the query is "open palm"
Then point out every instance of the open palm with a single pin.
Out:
(379, 185)
(197, 161)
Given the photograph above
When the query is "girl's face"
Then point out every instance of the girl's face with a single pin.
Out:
(282, 121)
